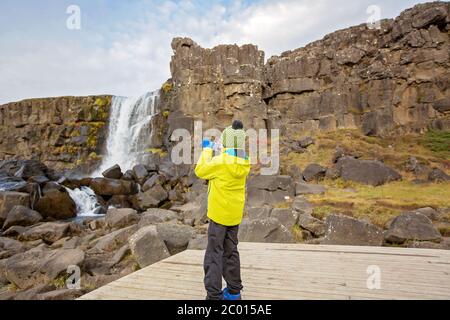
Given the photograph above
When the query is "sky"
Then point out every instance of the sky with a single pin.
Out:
(123, 47)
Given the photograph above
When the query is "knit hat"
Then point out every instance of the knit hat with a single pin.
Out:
(233, 139)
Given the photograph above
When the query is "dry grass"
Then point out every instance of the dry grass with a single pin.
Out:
(429, 149)
(379, 204)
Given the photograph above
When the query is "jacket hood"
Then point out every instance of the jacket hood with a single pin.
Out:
(237, 166)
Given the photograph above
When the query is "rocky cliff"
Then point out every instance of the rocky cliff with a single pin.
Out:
(386, 80)
(61, 132)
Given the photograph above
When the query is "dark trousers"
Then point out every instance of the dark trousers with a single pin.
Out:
(222, 259)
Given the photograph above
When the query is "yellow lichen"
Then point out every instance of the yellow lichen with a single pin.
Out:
(158, 151)
(167, 87)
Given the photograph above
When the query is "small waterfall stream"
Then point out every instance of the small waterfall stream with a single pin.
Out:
(86, 202)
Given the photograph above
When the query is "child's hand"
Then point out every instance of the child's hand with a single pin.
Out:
(207, 144)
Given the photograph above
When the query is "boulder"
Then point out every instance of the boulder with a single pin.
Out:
(433, 15)
(175, 236)
(287, 217)
(156, 215)
(200, 242)
(10, 199)
(258, 213)
(343, 230)
(56, 204)
(140, 173)
(302, 205)
(21, 216)
(149, 199)
(33, 293)
(14, 231)
(40, 266)
(23, 169)
(200, 213)
(114, 240)
(49, 232)
(147, 247)
(437, 175)
(194, 211)
(311, 224)
(259, 198)
(155, 179)
(430, 213)
(60, 295)
(305, 142)
(268, 230)
(8, 183)
(307, 188)
(121, 218)
(314, 172)
(270, 183)
(128, 175)
(120, 254)
(412, 226)
(118, 201)
(370, 172)
(115, 172)
(112, 187)
(39, 180)
(10, 247)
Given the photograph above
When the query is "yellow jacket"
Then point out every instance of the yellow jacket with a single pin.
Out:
(227, 175)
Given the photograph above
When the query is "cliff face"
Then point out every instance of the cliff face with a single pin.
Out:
(62, 132)
(214, 85)
(389, 80)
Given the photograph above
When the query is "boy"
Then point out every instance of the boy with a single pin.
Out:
(227, 174)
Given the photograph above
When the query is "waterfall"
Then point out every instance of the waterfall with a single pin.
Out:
(129, 131)
(86, 201)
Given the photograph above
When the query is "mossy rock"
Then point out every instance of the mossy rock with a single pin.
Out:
(167, 87)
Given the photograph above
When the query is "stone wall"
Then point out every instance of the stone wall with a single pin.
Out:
(389, 80)
(61, 132)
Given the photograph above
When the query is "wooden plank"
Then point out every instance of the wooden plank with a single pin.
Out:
(296, 271)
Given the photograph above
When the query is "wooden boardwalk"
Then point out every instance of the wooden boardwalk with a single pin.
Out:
(295, 271)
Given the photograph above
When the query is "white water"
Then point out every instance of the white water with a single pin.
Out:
(129, 131)
(86, 201)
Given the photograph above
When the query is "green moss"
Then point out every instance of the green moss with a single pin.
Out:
(102, 102)
(136, 267)
(167, 87)
(12, 287)
(68, 149)
(283, 205)
(60, 282)
(94, 128)
(438, 142)
(94, 156)
(297, 234)
(158, 151)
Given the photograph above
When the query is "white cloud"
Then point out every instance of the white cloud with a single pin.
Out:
(138, 58)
